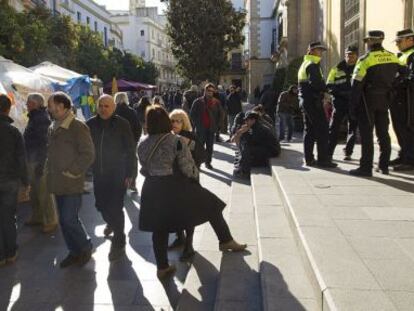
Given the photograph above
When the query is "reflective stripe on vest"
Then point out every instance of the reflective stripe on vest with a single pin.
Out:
(405, 55)
(307, 60)
(336, 76)
(372, 59)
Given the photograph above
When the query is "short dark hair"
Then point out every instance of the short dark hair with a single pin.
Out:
(61, 98)
(157, 120)
(5, 103)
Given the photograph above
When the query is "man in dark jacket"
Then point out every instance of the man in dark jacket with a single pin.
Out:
(129, 114)
(339, 86)
(13, 171)
(269, 101)
(114, 167)
(288, 105)
(189, 97)
(35, 137)
(311, 90)
(257, 143)
(233, 104)
(205, 116)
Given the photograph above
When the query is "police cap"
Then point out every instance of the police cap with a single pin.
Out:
(375, 34)
(404, 34)
(351, 49)
(316, 45)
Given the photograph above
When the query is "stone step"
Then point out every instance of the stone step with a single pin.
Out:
(238, 286)
(225, 281)
(284, 281)
(355, 232)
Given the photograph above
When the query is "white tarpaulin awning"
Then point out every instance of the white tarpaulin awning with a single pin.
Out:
(18, 81)
(57, 73)
(54, 72)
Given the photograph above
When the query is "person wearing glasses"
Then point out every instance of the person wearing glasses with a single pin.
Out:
(181, 125)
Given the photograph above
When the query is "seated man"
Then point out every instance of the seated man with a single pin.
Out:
(257, 143)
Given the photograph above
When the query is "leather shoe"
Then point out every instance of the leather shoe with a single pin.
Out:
(396, 161)
(232, 246)
(327, 164)
(69, 260)
(165, 273)
(384, 171)
(209, 166)
(310, 162)
(84, 258)
(187, 254)
(107, 231)
(347, 158)
(403, 167)
(361, 173)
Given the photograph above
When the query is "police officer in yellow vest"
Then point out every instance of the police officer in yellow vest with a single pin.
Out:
(402, 108)
(311, 86)
(372, 85)
(339, 86)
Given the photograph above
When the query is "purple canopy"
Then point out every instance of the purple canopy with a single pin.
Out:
(125, 86)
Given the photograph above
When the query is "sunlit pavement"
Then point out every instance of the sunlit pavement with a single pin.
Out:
(36, 282)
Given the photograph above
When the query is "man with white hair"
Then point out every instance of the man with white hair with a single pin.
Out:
(113, 170)
(35, 138)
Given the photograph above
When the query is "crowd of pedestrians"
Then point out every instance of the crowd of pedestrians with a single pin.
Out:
(58, 151)
(173, 134)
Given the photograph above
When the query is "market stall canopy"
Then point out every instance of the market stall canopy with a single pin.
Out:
(125, 86)
(22, 79)
(57, 73)
(18, 81)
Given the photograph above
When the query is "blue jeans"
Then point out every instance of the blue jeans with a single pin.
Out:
(74, 233)
(8, 204)
(286, 120)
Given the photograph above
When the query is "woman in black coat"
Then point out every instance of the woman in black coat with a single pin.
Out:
(172, 199)
(181, 125)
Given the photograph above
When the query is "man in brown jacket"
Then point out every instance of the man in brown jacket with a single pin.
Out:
(69, 155)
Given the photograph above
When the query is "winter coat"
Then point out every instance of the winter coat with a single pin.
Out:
(131, 116)
(12, 155)
(233, 103)
(35, 136)
(70, 153)
(115, 147)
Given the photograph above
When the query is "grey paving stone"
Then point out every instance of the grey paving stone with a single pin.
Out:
(368, 228)
(390, 213)
(337, 262)
(377, 248)
(273, 223)
(393, 274)
(276, 303)
(403, 301)
(360, 300)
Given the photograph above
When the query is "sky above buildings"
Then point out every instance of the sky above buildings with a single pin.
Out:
(124, 4)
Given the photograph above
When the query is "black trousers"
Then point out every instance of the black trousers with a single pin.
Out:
(338, 116)
(250, 156)
(8, 206)
(109, 199)
(160, 239)
(405, 135)
(206, 137)
(379, 120)
(316, 129)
